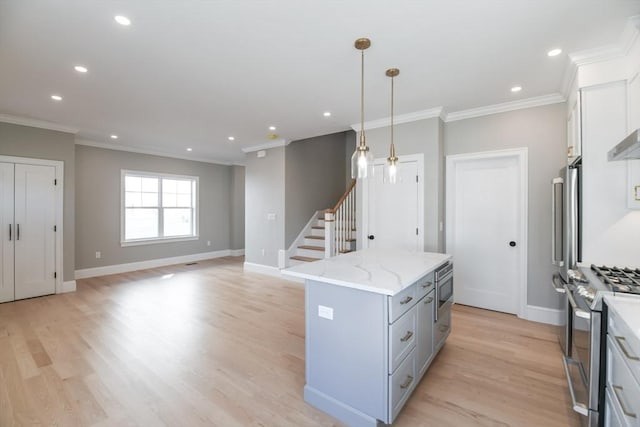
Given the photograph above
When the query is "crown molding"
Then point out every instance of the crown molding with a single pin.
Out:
(274, 144)
(538, 101)
(605, 53)
(149, 151)
(35, 123)
(402, 118)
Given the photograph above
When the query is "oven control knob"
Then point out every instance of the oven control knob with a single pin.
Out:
(512, 243)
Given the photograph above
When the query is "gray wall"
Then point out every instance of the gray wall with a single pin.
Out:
(98, 206)
(543, 131)
(314, 179)
(237, 207)
(419, 137)
(264, 194)
(24, 141)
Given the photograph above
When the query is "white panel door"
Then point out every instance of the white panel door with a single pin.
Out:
(34, 234)
(393, 212)
(485, 241)
(7, 230)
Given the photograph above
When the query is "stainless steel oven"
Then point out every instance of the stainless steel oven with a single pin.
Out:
(443, 278)
(584, 365)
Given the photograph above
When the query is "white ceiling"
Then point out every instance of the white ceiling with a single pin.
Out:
(190, 73)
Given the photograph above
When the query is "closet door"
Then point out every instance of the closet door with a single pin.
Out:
(34, 235)
(6, 224)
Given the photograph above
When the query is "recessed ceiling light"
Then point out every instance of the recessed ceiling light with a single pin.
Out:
(554, 52)
(114, 136)
(516, 89)
(80, 69)
(56, 97)
(189, 149)
(231, 138)
(327, 114)
(272, 128)
(122, 20)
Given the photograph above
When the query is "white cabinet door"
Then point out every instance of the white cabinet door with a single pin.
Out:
(34, 233)
(7, 234)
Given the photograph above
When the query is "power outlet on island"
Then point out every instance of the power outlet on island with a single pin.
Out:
(98, 255)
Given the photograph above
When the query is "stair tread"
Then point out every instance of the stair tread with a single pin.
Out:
(312, 248)
(345, 251)
(314, 237)
(317, 227)
(304, 258)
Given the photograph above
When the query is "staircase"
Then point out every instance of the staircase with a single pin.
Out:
(329, 232)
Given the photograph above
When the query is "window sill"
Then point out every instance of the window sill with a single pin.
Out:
(157, 241)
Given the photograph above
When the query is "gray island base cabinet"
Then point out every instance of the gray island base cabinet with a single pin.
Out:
(367, 347)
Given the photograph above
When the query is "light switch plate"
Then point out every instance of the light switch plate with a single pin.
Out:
(325, 312)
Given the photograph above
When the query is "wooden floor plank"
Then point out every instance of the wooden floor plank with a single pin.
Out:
(210, 345)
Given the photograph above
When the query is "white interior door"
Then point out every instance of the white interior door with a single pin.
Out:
(485, 232)
(34, 234)
(393, 209)
(7, 234)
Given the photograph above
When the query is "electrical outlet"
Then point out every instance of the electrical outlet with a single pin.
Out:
(98, 255)
(208, 242)
(263, 252)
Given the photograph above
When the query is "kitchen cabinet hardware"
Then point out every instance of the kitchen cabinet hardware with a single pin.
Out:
(407, 383)
(624, 350)
(618, 391)
(406, 336)
(406, 300)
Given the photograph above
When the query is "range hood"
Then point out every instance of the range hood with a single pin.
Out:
(628, 148)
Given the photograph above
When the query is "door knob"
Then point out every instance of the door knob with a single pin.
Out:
(371, 236)
(512, 243)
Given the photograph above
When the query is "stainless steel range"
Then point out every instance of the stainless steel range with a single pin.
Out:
(587, 329)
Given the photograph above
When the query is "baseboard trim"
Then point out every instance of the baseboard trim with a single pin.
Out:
(69, 286)
(550, 316)
(262, 269)
(152, 263)
(237, 252)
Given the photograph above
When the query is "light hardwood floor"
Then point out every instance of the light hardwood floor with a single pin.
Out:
(207, 344)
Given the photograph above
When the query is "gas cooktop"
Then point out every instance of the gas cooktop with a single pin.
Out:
(625, 280)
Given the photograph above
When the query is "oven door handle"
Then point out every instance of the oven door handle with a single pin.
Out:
(580, 408)
(577, 311)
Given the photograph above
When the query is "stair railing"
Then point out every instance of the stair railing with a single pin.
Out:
(340, 222)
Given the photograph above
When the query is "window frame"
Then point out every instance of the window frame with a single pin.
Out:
(161, 239)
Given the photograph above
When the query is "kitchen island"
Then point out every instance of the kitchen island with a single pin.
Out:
(372, 328)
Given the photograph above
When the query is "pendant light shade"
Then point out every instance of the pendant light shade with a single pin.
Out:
(362, 159)
(392, 160)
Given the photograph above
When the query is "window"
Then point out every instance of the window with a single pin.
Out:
(157, 208)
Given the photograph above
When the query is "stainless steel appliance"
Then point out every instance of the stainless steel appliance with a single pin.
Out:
(443, 278)
(585, 368)
(566, 239)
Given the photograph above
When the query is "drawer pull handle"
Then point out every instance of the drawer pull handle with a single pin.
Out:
(626, 352)
(428, 300)
(407, 383)
(406, 336)
(427, 284)
(617, 390)
(406, 300)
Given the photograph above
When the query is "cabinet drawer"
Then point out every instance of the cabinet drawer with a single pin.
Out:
(402, 338)
(402, 302)
(623, 388)
(627, 343)
(424, 286)
(612, 415)
(401, 383)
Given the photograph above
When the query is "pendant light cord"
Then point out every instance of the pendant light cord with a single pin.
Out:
(392, 146)
(362, 97)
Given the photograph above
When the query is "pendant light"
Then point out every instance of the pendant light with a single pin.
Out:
(362, 159)
(392, 160)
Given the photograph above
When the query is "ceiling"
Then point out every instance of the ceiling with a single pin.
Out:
(191, 73)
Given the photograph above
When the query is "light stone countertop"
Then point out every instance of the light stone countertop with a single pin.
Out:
(627, 307)
(375, 270)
